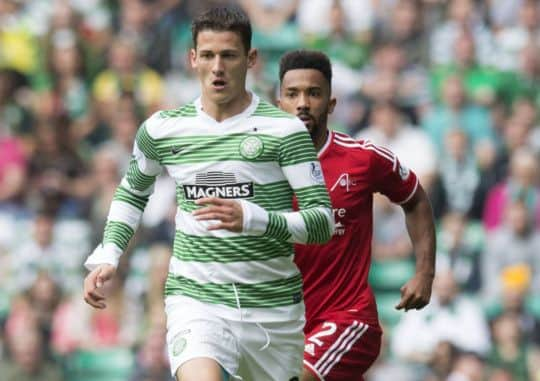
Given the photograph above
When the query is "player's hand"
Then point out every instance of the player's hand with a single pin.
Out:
(415, 294)
(228, 213)
(93, 285)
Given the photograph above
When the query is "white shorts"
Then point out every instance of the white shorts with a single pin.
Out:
(248, 351)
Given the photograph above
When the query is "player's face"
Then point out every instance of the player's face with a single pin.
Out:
(306, 93)
(221, 63)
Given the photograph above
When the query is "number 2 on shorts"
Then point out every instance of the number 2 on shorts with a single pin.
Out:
(330, 330)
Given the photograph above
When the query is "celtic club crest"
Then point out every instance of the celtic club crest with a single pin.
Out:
(251, 147)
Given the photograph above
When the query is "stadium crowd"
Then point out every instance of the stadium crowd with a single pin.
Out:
(452, 87)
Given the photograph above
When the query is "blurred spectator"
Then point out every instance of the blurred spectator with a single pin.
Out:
(344, 48)
(15, 118)
(513, 38)
(123, 127)
(525, 80)
(12, 172)
(77, 326)
(269, 15)
(390, 237)
(389, 77)
(27, 360)
(510, 351)
(404, 27)
(106, 175)
(463, 16)
(468, 367)
(521, 184)
(44, 296)
(42, 256)
(18, 45)
(65, 76)
(458, 172)
(147, 23)
(441, 362)
(312, 17)
(57, 173)
(502, 13)
(450, 316)
(152, 361)
(455, 111)
(516, 297)
(515, 242)
(126, 74)
(482, 83)
(390, 129)
(159, 269)
(459, 248)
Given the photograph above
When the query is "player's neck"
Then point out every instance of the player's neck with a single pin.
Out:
(320, 139)
(222, 111)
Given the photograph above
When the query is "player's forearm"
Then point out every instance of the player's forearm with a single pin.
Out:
(311, 225)
(122, 221)
(421, 228)
(308, 226)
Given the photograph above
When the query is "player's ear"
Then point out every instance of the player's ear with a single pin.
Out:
(193, 58)
(252, 57)
(332, 105)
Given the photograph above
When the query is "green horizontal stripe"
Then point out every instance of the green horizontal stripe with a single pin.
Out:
(297, 148)
(316, 225)
(146, 143)
(277, 227)
(195, 149)
(124, 195)
(118, 233)
(277, 293)
(137, 179)
(267, 109)
(188, 110)
(230, 249)
(315, 195)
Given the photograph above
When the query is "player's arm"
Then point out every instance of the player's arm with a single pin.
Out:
(415, 294)
(313, 223)
(125, 212)
(401, 186)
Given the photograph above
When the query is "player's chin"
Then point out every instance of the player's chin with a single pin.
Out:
(309, 125)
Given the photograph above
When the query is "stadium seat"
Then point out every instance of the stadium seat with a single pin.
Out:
(386, 302)
(111, 364)
(390, 275)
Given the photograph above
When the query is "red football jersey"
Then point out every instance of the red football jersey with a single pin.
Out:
(336, 273)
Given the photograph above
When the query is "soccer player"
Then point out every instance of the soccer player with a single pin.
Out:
(234, 299)
(343, 335)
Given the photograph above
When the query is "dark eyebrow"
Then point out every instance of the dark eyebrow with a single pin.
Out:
(309, 88)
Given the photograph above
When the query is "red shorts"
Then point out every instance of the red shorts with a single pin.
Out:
(341, 347)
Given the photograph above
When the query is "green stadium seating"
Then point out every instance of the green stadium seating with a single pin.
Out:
(111, 364)
(390, 275)
(386, 302)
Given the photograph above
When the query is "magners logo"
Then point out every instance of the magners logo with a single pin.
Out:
(217, 184)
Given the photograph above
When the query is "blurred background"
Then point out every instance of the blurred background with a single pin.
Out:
(452, 87)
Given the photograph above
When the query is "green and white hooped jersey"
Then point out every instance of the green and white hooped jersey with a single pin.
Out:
(260, 157)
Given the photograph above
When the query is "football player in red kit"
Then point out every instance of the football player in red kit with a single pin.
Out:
(343, 336)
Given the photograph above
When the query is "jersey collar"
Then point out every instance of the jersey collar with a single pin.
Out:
(247, 112)
(324, 148)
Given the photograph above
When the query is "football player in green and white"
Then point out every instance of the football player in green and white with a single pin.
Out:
(234, 298)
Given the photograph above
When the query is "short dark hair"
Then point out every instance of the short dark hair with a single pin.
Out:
(222, 19)
(306, 59)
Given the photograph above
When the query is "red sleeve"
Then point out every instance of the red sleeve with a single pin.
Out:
(390, 177)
